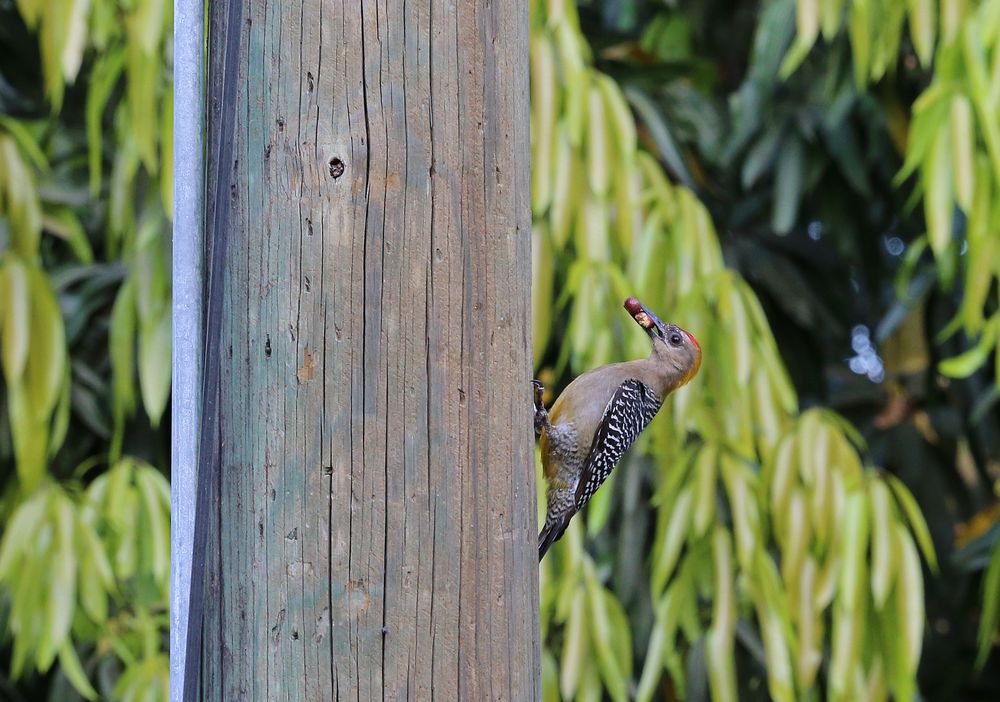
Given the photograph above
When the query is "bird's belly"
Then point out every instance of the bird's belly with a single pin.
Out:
(562, 455)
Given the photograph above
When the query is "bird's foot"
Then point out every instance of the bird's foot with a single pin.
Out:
(541, 414)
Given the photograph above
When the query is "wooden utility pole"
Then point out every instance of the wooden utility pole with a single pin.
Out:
(371, 533)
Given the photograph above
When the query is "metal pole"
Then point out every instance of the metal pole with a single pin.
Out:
(188, 311)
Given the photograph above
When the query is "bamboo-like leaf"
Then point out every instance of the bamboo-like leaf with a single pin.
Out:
(855, 548)
(860, 31)
(721, 635)
(544, 91)
(909, 598)
(21, 531)
(121, 344)
(937, 180)
(46, 368)
(63, 223)
(621, 633)
(844, 652)
(951, 19)
(158, 528)
(576, 83)
(745, 526)
(807, 20)
(660, 133)
(600, 158)
(779, 669)
(810, 653)
(167, 154)
(782, 479)
(659, 640)
(761, 155)
(142, 79)
(795, 541)
(883, 555)
(620, 120)
(93, 596)
(25, 141)
(16, 318)
(922, 29)
(665, 558)
(543, 275)
(75, 19)
(962, 149)
(148, 24)
(704, 489)
(29, 435)
(550, 677)
(574, 645)
(60, 422)
(789, 176)
(565, 199)
(154, 365)
(103, 78)
(62, 586)
(990, 619)
(601, 639)
(831, 17)
(70, 664)
(967, 363)
(20, 196)
(599, 507)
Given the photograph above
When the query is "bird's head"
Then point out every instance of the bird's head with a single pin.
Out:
(672, 346)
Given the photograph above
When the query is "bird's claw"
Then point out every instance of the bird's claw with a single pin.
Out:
(541, 414)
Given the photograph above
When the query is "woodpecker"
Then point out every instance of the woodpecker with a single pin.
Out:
(600, 414)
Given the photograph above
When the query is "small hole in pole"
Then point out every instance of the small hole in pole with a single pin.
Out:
(336, 167)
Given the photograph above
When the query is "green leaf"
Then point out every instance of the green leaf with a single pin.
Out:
(30, 437)
(167, 155)
(761, 155)
(600, 158)
(962, 150)
(967, 363)
(157, 530)
(121, 343)
(46, 368)
(789, 176)
(937, 179)
(915, 518)
(25, 141)
(107, 70)
(909, 600)
(884, 559)
(574, 645)
(922, 29)
(71, 667)
(601, 640)
(63, 223)
(990, 619)
(659, 131)
(20, 530)
(142, 78)
(75, 16)
(720, 641)
(16, 318)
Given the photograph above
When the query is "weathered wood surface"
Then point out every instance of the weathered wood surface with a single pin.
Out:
(373, 535)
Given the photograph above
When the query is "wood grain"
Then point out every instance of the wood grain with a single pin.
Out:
(373, 535)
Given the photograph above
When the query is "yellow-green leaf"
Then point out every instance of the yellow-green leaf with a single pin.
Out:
(16, 318)
(154, 365)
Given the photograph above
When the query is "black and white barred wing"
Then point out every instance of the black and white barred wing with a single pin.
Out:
(629, 411)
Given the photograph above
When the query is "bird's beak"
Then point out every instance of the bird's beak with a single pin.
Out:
(645, 318)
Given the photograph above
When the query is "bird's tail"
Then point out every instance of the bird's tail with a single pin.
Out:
(550, 533)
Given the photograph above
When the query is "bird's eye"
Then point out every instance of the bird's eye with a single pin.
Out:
(675, 339)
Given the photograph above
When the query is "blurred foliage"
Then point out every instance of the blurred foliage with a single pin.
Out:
(753, 184)
(85, 183)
